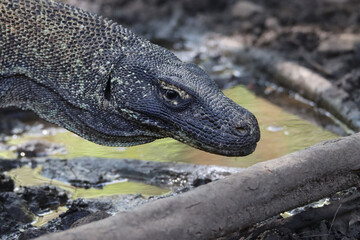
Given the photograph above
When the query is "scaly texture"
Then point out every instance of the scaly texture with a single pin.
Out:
(104, 83)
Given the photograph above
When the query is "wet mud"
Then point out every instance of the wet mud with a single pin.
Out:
(22, 208)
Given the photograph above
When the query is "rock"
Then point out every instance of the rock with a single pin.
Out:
(344, 42)
(38, 148)
(192, 7)
(33, 233)
(350, 81)
(79, 209)
(7, 223)
(6, 183)
(14, 208)
(90, 218)
(351, 84)
(43, 199)
(71, 216)
(93, 172)
(6, 165)
(245, 9)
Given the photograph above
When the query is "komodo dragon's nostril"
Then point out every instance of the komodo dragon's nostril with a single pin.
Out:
(241, 129)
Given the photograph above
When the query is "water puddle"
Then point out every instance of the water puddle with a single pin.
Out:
(46, 217)
(121, 188)
(27, 176)
(281, 133)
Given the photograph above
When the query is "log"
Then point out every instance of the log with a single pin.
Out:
(305, 82)
(238, 201)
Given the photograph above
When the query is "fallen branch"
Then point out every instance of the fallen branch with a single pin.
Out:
(238, 201)
(305, 82)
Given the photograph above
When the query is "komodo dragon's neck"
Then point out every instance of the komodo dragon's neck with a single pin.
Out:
(61, 47)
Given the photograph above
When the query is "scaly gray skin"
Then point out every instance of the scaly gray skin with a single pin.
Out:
(104, 83)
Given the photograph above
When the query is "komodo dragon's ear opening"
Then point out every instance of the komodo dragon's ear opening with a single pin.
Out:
(107, 93)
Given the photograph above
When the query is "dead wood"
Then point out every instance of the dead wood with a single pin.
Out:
(305, 82)
(238, 201)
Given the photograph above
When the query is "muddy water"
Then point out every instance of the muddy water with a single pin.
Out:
(26, 177)
(281, 133)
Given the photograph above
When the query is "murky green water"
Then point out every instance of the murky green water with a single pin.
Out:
(281, 133)
(26, 177)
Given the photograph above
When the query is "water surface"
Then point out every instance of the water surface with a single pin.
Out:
(281, 133)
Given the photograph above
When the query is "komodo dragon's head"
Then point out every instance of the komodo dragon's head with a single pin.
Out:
(169, 98)
(111, 87)
(104, 83)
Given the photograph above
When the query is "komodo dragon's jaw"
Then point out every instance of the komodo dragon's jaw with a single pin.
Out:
(104, 83)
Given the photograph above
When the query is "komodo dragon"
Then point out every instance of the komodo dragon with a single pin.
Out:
(99, 80)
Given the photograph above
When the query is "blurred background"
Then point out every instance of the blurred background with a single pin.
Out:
(321, 34)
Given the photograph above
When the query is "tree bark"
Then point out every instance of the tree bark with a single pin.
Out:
(238, 201)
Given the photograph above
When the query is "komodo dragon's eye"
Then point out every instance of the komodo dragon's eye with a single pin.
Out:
(173, 95)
